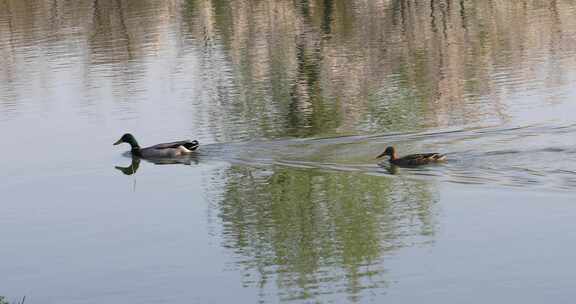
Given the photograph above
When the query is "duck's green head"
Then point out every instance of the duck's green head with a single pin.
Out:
(129, 139)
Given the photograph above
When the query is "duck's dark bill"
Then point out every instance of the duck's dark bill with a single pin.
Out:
(381, 155)
(118, 142)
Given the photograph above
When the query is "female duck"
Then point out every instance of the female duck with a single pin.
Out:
(165, 150)
(413, 159)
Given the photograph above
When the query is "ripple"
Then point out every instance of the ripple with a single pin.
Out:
(493, 155)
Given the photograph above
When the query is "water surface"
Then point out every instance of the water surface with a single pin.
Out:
(291, 102)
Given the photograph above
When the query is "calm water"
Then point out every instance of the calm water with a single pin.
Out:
(291, 101)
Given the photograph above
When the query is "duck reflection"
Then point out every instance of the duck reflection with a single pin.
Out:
(129, 170)
(135, 163)
(390, 168)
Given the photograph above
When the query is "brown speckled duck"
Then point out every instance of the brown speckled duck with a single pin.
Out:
(165, 150)
(413, 159)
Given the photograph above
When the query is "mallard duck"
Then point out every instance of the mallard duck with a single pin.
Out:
(413, 159)
(165, 150)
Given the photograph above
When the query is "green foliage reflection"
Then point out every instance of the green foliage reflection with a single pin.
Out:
(315, 232)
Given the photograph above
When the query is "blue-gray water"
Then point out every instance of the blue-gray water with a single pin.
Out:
(284, 201)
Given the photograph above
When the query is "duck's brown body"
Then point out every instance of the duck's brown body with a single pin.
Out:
(413, 159)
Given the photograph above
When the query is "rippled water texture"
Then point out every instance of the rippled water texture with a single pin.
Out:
(291, 102)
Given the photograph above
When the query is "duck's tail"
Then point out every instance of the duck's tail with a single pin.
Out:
(439, 157)
(191, 146)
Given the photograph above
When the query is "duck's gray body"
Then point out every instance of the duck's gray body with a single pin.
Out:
(167, 150)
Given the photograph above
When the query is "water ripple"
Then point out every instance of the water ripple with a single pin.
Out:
(537, 156)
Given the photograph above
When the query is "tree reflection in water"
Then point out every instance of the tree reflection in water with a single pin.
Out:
(310, 232)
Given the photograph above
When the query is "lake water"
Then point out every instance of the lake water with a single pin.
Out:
(291, 102)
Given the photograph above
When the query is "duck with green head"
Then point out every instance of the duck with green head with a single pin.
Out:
(413, 159)
(164, 150)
